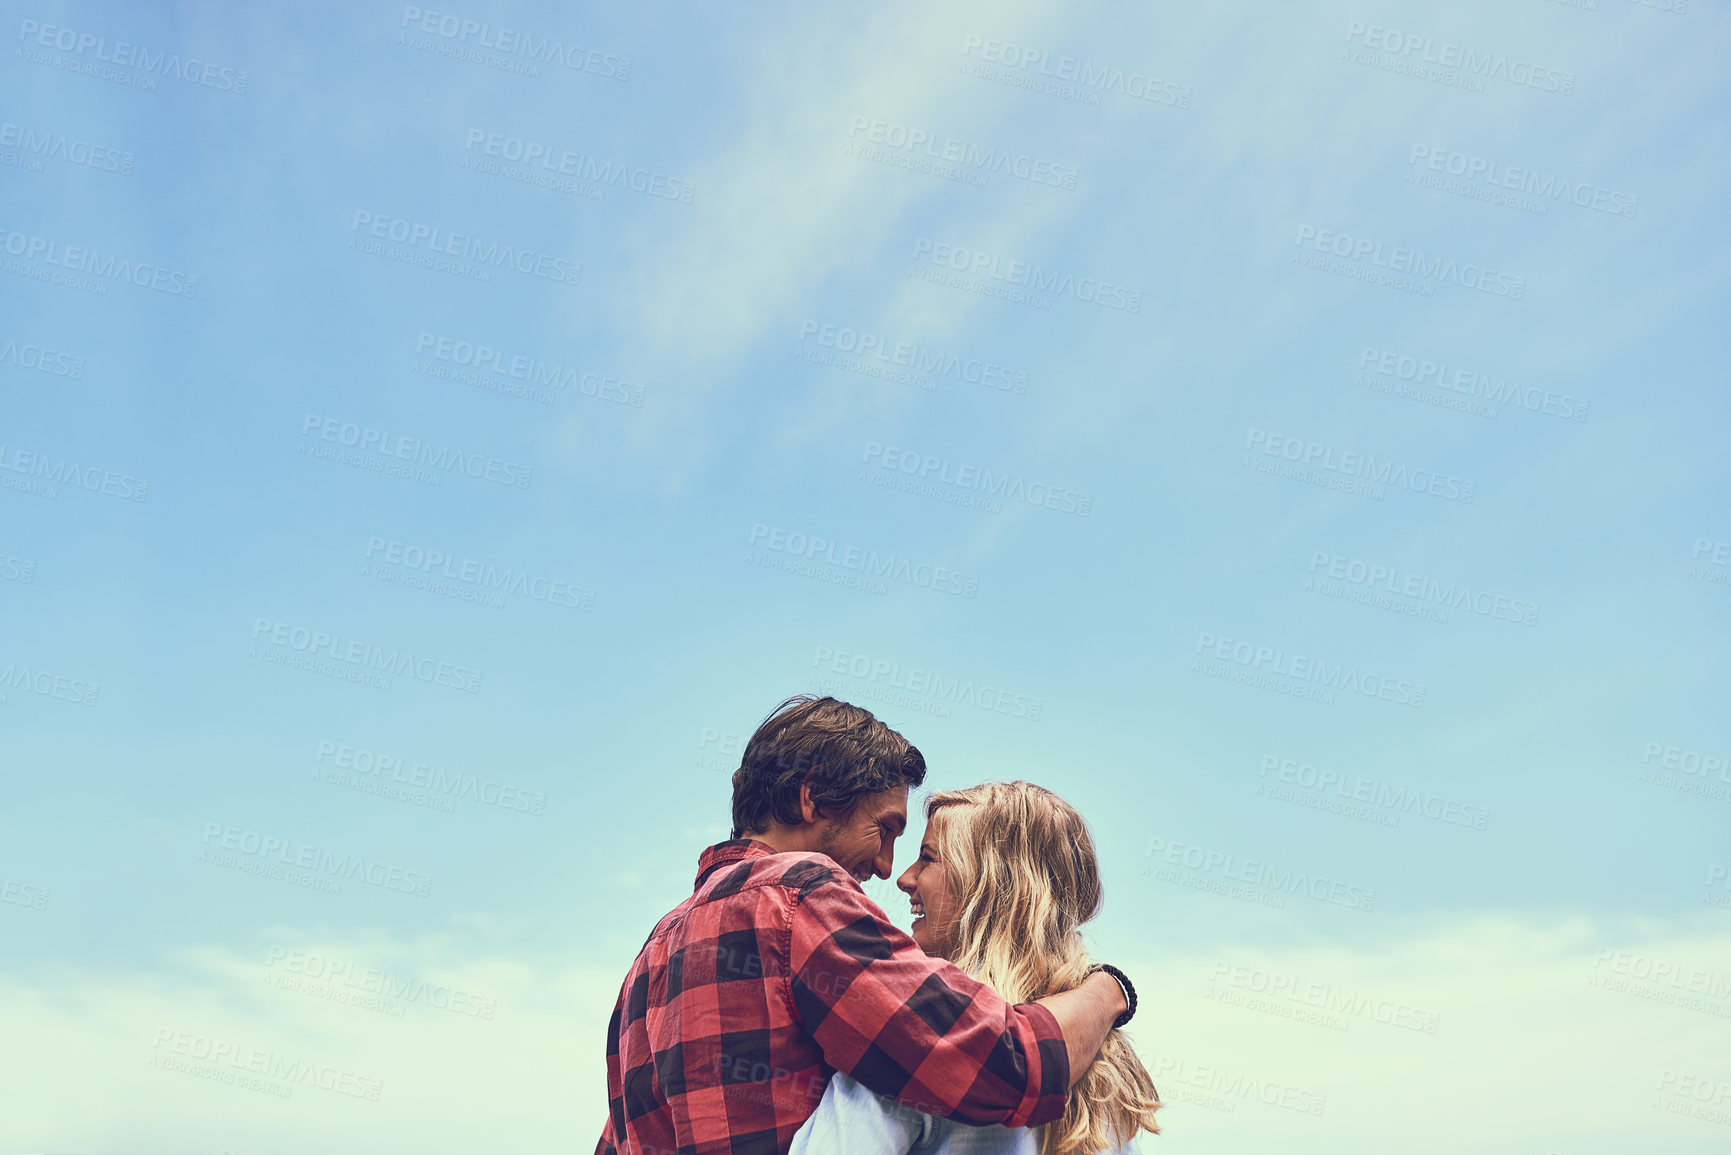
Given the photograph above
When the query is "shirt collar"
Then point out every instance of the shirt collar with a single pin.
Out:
(725, 853)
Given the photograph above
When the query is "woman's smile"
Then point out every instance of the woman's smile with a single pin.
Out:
(927, 885)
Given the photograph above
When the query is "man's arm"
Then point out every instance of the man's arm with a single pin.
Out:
(1085, 1014)
(919, 1030)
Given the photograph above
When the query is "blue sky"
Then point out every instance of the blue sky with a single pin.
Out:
(1294, 436)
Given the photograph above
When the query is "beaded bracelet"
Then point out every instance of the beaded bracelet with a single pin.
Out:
(1124, 984)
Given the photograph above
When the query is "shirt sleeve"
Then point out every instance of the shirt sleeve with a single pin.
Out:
(915, 1028)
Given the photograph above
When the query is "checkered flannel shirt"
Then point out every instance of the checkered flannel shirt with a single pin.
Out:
(779, 971)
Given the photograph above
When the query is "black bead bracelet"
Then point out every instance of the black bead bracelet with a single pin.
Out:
(1125, 984)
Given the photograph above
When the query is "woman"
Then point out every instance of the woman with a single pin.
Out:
(1005, 879)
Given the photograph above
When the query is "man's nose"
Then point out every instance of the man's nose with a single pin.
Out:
(884, 862)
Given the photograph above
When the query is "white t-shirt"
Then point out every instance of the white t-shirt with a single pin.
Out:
(853, 1120)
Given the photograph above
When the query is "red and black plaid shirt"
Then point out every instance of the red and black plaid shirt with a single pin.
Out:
(777, 972)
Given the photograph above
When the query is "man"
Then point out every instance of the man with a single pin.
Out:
(779, 971)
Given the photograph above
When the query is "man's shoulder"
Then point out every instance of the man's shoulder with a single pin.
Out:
(802, 873)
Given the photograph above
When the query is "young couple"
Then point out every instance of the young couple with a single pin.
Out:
(778, 1011)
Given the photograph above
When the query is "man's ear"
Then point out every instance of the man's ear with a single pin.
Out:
(808, 810)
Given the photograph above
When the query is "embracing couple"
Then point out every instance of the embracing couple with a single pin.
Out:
(778, 1011)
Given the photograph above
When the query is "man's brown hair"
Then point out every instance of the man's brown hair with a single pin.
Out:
(840, 749)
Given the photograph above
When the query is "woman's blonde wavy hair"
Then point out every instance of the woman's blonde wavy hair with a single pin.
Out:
(1024, 878)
